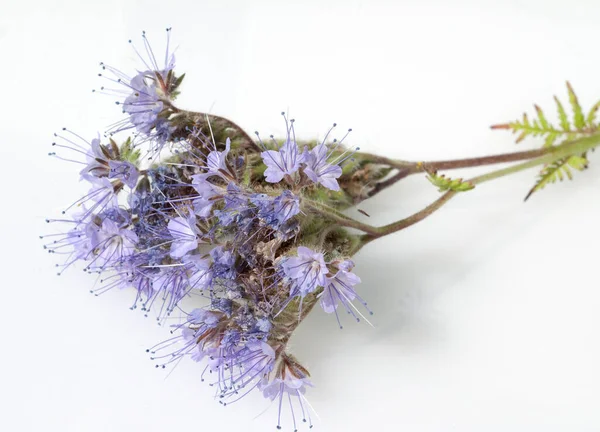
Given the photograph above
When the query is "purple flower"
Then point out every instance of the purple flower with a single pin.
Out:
(206, 193)
(162, 132)
(290, 381)
(262, 357)
(339, 289)
(103, 194)
(216, 163)
(278, 387)
(144, 104)
(185, 235)
(223, 263)
(307, 271)
(319, 170)
(200, 273)
(97, 160)
(284, 162)
(124, 171)
(243, 365)
(171, 280)
(199, 323)
(111, 244)
(202, 316)
(149, 94)
(235, 208)
(287, 205)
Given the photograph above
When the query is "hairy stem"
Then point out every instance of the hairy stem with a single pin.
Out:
(337, 216)
(408, 168)
(575, 147)
(205, 122)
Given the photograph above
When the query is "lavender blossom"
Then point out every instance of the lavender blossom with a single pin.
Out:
(339, 288)
(201, 220)
(216, 163)
(200, 271)
(206, 193)
(98, 157)
(286, 206)
(111, 244)
(290, 381)
(144, 104)
(223, 263)
(319, 170)
(148, 95)
(307, 271)
(185, 235)
(286, 160)
(124, 171)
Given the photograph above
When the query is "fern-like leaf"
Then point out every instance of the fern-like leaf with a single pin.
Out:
(568, 129)
(578, 118)
(565, 125)
(557, 171)
(553, 135)
(445, 184)
(591, 117)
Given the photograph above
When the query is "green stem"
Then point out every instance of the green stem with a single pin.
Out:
(576, 147)
(408, 168)
(337, 216)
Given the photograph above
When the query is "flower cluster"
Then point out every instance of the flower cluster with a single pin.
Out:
(214, 223)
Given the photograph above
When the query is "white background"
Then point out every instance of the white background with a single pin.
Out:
(485, 314)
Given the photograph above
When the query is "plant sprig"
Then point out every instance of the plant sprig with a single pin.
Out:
(568, 129)
(557, 171)
(445, 184)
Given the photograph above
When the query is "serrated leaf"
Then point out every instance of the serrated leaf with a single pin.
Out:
(591, 117)
(444, 183)
(578, 119)
(562, 115)
(578, 162)
(582, 125)
(557, 172)
(542, 118)
(550, 139)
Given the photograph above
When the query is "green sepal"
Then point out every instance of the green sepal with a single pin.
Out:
(445, 184)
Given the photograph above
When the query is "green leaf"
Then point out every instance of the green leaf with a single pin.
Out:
(582, 125)
(591, 117)
(129, 153)
(178, 81)
(578, 162)
(542, 119)
(562, 116)
(557, 171)
(578, 119)
(550, 139)
(444, 183)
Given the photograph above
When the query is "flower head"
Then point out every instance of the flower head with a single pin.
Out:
(319, 170)
(284, 161)
(290, 380)
(148, 94)
(185, 235)
(307, 271)
(216, 163)
(339, 289)
(124, 171)
(202, 221)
